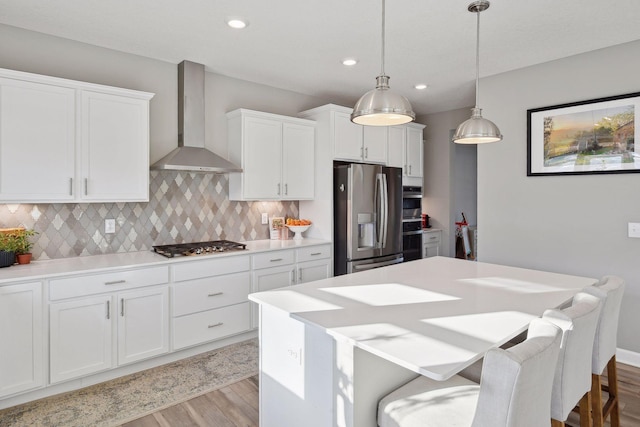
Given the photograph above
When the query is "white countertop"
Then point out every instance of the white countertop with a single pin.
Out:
(99, 263)
(434, 316)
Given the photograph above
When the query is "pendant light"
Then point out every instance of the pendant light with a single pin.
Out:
(477, 130)
(380, 106)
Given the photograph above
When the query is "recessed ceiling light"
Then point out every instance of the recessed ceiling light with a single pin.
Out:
(349, 62)
(237, 23)
(420, 86)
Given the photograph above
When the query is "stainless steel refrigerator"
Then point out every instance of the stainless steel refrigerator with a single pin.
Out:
(367, 217)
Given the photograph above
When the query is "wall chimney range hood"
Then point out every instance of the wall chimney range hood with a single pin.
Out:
(191, 155)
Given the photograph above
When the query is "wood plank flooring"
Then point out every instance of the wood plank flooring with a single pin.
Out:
(237, 405)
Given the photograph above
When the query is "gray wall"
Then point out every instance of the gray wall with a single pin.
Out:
(569, 224)
(449, 175)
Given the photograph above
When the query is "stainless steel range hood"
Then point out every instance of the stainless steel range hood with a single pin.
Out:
(191, 154)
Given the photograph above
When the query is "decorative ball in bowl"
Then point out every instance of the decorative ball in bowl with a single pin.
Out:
(298, 230)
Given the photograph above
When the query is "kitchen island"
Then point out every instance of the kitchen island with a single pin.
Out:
(330, 349)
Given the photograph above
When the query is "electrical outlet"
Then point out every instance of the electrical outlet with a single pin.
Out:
(634, 229)
(109, 226)
(265, 218)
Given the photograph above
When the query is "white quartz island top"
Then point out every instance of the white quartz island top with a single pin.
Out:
(433, 316)
(108, 262)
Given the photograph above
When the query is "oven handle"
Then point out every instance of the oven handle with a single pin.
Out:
(409, 233)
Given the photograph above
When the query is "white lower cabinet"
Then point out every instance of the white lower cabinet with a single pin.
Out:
(431, 243)
(21, 357)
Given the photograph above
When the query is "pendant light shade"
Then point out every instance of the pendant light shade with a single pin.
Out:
(477, 130)
(381, 106)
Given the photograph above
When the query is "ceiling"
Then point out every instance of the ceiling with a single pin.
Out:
(299, 44)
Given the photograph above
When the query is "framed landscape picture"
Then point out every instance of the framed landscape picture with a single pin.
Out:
(589, 137)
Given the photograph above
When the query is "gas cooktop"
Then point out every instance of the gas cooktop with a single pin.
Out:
(199, 248)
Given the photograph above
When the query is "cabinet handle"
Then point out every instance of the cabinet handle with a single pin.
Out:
(292, 276)
(409, 169)
(215, 294)
(86, 186)
(361, 152)
(432, 238)
(215, 324)
(71, 186)
(278, 189)
(286, 189)
(366, 153)
(275, 260)
(121, 307)
(316, 253)
(115, 282)
(108, 310)
(299, 275)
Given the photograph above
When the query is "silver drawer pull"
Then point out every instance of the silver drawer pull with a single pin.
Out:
(215, 324)
(115, 282)
(276, 260)
(316, 253)
(432, 238)
(215, 294)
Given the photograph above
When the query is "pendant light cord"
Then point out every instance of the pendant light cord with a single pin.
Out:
(477, 57)
(382, 54)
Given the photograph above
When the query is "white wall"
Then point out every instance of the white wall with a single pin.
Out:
(449, 175)
(569, 224)
(42, 54)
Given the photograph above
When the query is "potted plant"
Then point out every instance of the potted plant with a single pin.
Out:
(8, 246)
(23, 245)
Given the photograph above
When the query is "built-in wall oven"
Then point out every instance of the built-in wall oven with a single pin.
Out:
(411, 223)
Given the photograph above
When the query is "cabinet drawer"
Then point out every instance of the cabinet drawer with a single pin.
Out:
(211, 292)
(106, 282)
(313, 252)
(208, 267)
(273, 259)
(431, 237)
(210, 325)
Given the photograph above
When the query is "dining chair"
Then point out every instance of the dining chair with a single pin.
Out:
(515, 390)
(610, 290)
(572, 380)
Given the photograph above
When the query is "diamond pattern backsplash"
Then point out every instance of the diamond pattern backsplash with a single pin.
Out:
(182, 207)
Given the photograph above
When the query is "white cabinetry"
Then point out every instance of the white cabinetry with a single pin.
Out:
(108, 321)
(431, 243)
(405, 151)
(206, 306)
(80, 142)
(276, 154)
(21, 357)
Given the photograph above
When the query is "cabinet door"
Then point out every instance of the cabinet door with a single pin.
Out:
(143, 324)
(21, 358)
(298, 169)
(395, 146)
(37, 142)
(347, 138)
(309, 271)
(115, 148)
(268, 279)
(262, 154)
(414, 152)
(375, 144)
(80, 337)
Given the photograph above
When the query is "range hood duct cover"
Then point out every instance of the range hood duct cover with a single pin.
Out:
(191, 154)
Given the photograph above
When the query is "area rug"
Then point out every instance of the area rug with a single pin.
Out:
(127, 398)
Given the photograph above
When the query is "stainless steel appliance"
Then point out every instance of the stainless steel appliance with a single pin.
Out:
(412, 223)
(199, 248)
(367, 217)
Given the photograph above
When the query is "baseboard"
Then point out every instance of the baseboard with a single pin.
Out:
(628, 357)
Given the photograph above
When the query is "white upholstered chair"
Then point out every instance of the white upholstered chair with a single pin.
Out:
(572, 381)
(610, 291)
(515, 390)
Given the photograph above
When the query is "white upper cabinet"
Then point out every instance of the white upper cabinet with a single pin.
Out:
(374, 147)
(357, 143)
(405, 151)
(68, 141)
(413, 168)
(276, 154)
(396, 146)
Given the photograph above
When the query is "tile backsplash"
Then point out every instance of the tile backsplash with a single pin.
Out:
(182, 207)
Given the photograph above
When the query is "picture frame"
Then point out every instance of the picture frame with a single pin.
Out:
(596, 136)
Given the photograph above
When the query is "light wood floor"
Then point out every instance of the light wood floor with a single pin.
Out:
(237, 405)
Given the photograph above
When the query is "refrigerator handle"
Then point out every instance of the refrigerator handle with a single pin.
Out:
(379, 200)
(385, 209)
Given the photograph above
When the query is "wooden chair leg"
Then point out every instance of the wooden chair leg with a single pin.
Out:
(596, 401)
(585, 410)
(612, 409)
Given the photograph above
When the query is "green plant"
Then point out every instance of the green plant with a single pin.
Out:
(8, 242)
(23, 244)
